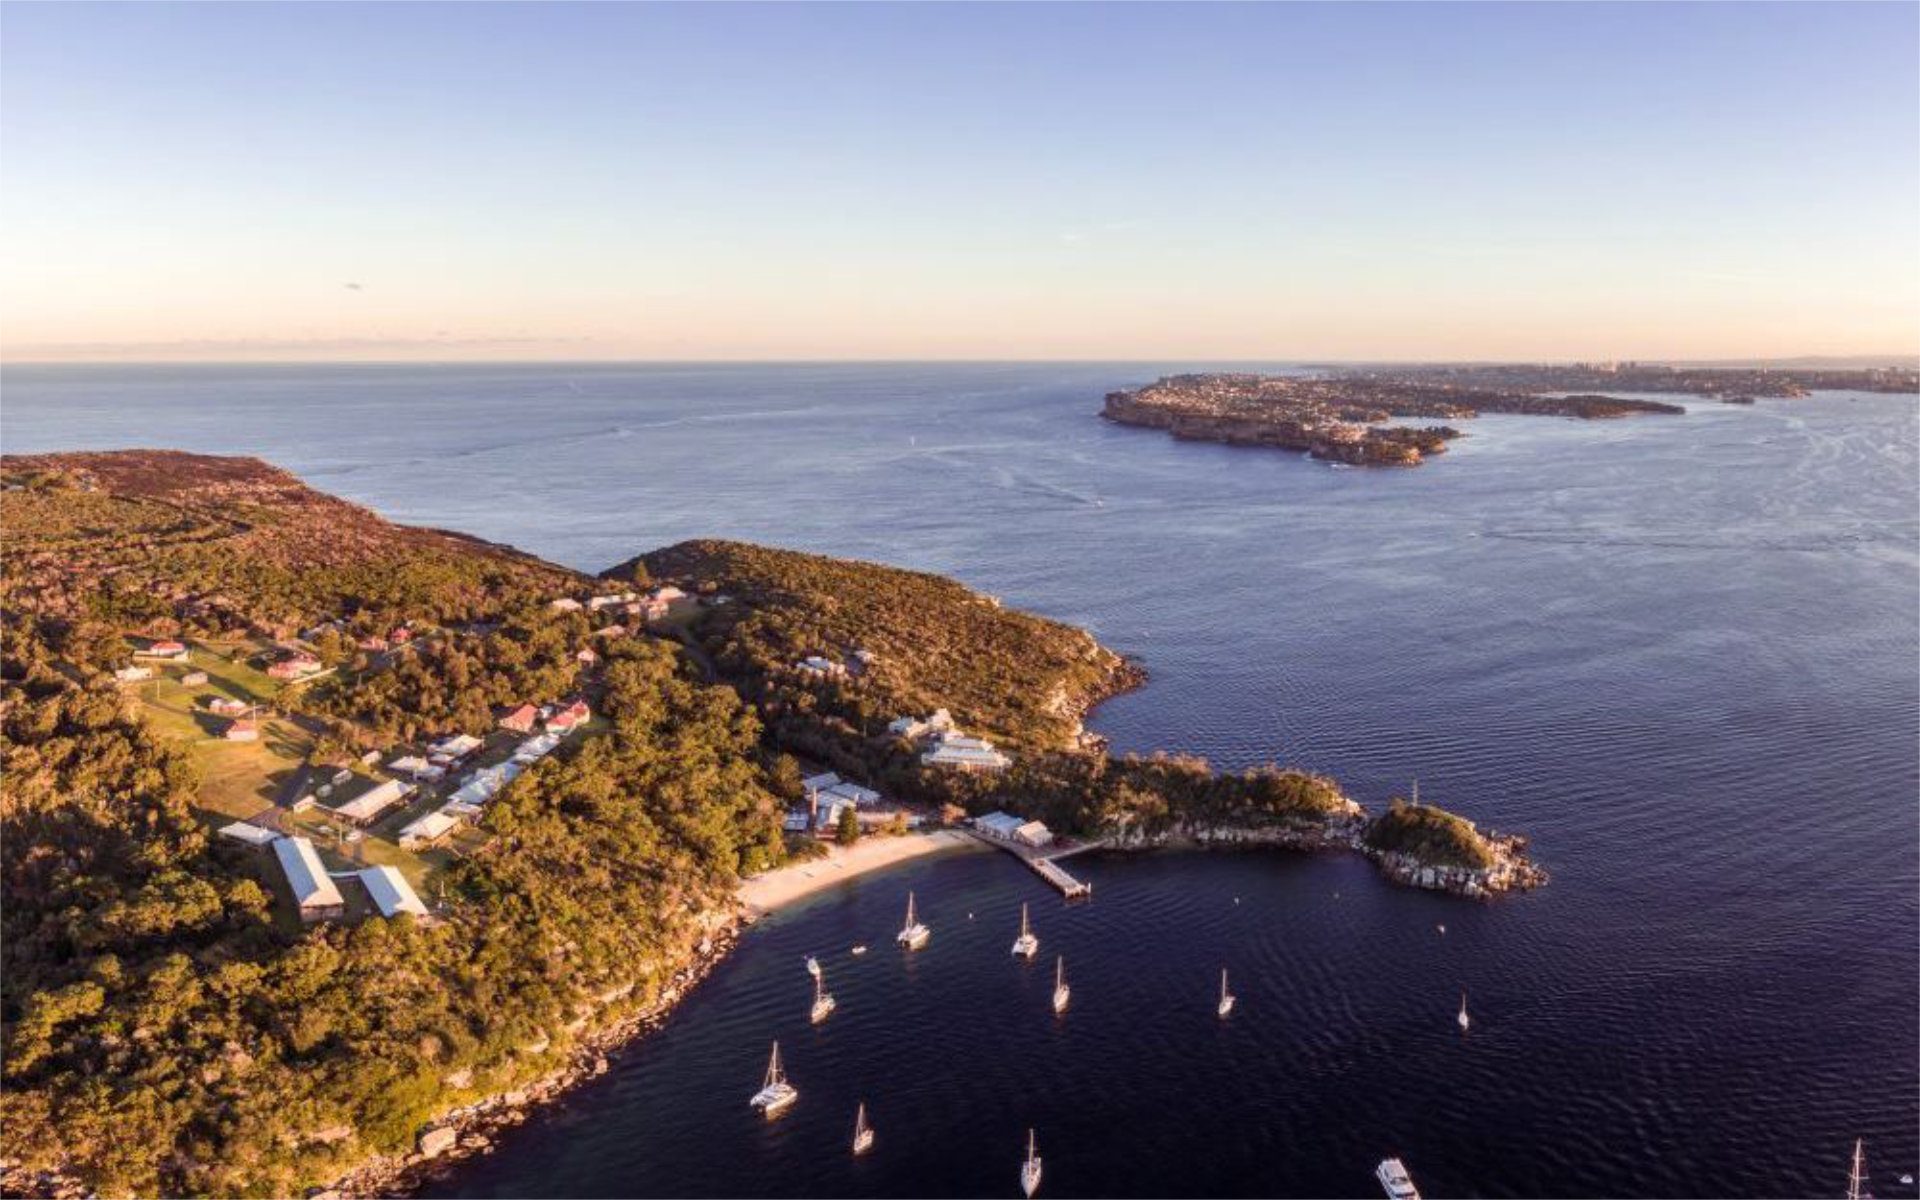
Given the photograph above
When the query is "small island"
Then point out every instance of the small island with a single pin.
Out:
(332, 845)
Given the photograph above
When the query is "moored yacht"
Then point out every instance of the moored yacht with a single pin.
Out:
(1392, 1174)
(1026, 945)
(823, 1001)
(776, 1095)
(913, 934)
(862, 1132)
(1030, 1170)
(1061, 992)
(1466, 1022)
(1226, 997)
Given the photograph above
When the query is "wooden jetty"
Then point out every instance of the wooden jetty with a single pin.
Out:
(1044, 862)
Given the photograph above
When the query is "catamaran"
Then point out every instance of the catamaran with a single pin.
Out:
(1392, 1174)
(862, 1132)
(1030, 1170)
(1465, 1021)
(776, 1095)
(1061, 992)
(1026, 945)
(1226, 997)
(913, 934)
(1857, 1179)
(822, 999)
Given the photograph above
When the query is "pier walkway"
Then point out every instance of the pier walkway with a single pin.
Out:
(1043, 861)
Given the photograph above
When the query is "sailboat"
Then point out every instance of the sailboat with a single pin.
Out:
(1030, 1170)
(862, 1132)
(813, 966)
(1226, 997)
(1857, 1178)
(913, 934)
(1061, 992)
(1026, 945)
(776, 1095)
(822, 999)
(1465, 1021)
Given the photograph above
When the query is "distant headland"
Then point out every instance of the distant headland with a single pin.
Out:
(1345, 415)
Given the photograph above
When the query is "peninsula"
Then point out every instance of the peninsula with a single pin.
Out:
(1348, 415)
(328, 843)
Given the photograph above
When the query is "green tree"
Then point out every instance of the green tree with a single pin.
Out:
(849, 831)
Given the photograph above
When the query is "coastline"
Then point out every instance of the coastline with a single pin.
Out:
(773, 890)
(471, 1128)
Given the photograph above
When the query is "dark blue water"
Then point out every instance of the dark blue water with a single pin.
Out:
(1680, 653)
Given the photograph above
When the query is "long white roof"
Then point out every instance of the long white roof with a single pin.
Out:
(246, 831)
(374, 801)
(311, 886)
(391, 892)
(429, 825)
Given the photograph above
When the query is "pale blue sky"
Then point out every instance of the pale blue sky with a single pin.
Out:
(1071, 180)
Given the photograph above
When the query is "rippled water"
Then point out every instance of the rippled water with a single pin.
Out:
(1680, 653)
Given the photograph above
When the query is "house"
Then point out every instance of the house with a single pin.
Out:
(611, 631)
(171, 651)
(244, 729)
(952, 749)
(814, 785)
(612, 601)
(666, 594)
(586, 657)
(521, 719)
(457, 745)
(410, 764)
(564, 604)
(295, 664)
(797, 820)
(1033, 833)
(863, 661)
(314, 893)
(915, 728)
(362, 809)
(400, 635)
(966, 758)
(132, 674)
(853, 794)
(817, 665)
(429, 829)
(534, 749)
(248, 833)
(570, 717)
(221, 706)
(372, 645)
(391, 893)
(999, 825)
(194, 679)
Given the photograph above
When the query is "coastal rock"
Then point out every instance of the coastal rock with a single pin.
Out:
(437, 1141)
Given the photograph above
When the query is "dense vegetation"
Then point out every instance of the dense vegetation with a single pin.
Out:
(1432, 835)
(454, 681)
(163, 1032)
(1019, 679)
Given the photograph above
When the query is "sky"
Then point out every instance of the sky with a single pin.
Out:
(944, 181)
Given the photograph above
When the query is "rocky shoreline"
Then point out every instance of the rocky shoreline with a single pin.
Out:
(471, 1129)
(1511, 870)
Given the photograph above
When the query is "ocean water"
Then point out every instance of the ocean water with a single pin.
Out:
(1682, 654)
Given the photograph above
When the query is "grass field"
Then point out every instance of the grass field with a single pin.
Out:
(238, 779)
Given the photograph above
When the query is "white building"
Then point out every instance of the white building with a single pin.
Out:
(362, 809)
(427, 830)
(1033, 833)
(391, 893)
(314, 893)
(998, 824)
(457, 746)
(249, 833)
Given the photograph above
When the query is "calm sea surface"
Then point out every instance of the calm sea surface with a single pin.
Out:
(1681, 654)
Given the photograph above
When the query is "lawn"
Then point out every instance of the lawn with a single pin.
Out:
(238, 779)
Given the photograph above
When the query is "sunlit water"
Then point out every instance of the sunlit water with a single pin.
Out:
(1680, 653)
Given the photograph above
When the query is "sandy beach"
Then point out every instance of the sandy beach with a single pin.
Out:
(773, 889)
